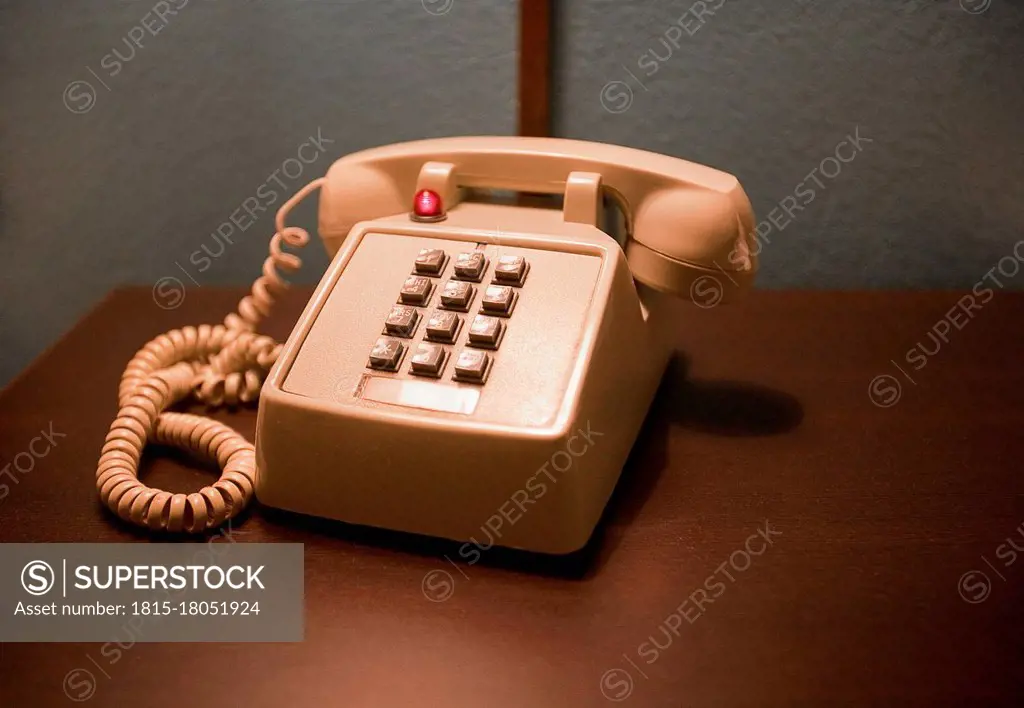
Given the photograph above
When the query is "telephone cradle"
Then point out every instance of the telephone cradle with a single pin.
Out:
(466, 368)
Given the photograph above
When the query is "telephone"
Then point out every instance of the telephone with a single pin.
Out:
(465, 367)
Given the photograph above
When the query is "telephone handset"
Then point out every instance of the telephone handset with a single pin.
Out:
(465, 369)
(684, 220)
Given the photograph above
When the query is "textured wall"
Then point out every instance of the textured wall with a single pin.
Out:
(218, 105)
(197, 120)
(767, 89)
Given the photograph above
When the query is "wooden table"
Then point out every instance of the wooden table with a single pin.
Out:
(888, 579)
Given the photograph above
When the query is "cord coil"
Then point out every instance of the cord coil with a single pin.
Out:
(216, 364)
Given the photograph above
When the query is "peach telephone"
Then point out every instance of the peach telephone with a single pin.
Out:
(461, 360)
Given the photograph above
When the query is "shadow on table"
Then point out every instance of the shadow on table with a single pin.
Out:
(722, 408)
(715, 407)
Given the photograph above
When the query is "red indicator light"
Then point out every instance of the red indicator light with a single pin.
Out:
(427, 206)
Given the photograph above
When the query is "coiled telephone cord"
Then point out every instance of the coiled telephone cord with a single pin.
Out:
(216, 364)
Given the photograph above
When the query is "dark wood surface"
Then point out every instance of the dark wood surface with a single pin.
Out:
(534, 78)
(765, 417)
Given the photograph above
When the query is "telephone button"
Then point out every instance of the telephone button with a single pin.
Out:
(472, 366)
(443, 326)
(499, 299)
(401, 321)
(386, 354)
(470, 266)
(510, 270)
(430, 261)
(456, 295)
(416, 290)
(428, 360)
(485, 332)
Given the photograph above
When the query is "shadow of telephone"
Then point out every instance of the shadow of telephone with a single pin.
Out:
(461, 364)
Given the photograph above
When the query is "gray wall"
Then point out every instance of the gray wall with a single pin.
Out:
(126, 185)
(766, 89)
(198, 121)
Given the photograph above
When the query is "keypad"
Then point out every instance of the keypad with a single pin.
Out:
(486, 323)
(443, 326)
(457, 295)
(386, 354)
(472, 366)
(498, 299)
(430, 261)
(401, 321)
(510, 270)
(428, 360)
(486, 331)
(470, 266)
(416, 290)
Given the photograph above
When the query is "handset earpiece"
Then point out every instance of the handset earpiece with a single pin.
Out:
(684, 238)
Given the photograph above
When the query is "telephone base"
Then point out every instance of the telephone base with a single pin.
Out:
(527, 459)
